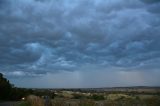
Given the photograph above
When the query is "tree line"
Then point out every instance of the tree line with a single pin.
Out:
(9, 92)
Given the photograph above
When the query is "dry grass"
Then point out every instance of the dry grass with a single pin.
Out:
(35, 100)
(111, 100)
(118, 96)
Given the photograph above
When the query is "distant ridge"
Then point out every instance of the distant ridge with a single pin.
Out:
(102, 88)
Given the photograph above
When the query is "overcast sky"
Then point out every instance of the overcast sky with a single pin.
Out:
(80, 43)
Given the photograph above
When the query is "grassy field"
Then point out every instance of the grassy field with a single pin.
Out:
(69, 98)
(24, 103)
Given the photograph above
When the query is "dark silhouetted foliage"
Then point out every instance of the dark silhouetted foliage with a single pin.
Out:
(5, 88)
(9, 92)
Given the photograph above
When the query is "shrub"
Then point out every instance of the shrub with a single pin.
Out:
(35, 100)
(78, 96)
(87, 102)
(97, 97)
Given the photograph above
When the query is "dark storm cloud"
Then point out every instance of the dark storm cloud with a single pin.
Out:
(150, 1)
(41, 36)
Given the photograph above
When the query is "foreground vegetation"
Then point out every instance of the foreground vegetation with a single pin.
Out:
(24, 103)
(9, 92)
(68, 98)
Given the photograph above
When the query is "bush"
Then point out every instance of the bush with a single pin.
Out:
(5, 88)
(154, 101)
(97, 97)
(87, 102)
(35, 100)
(78, 96)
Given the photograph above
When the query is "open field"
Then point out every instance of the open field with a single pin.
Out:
(96, 97)
(118, 96)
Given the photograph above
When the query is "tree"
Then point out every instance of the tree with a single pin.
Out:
(5, 88)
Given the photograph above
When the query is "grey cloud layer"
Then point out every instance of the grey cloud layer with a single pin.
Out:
(40, 36)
